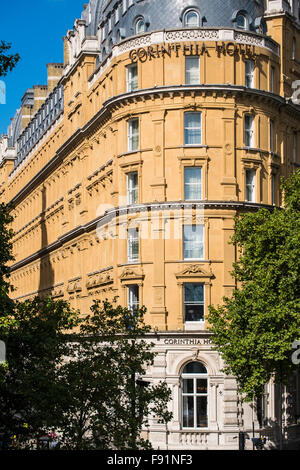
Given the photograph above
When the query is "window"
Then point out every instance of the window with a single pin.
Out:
(249, 130)
(193, 242)
(294, 49)
(295, 147)
(193, 302)
(133, 245)
(132, 77)
(249, 73)
(130, 3)
(191, 19)
(124, 6)
(192, 183)
(103, 32)
(241, 21)
(273, 189)
(194, 396)
(192, 129)
(192, 70)
(140, 26)
(272, 78)
(271, 135)
(117, 15)
(109, 23)
(133, 297)
(250, 185)
(133, 134)
(132, 188)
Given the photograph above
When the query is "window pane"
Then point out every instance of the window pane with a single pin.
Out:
(193, 241)
(132, 78)
(188, 412)
(192, 183)
(201, 412)
(193, 293)
(132, 188)
(133, 297)
(192, 19)
(192, 70)
(201, 386)
(133, 245)
(133, 134)
(194, 312)
(250, 185)
(192, 129)
(188, 386)
(194, 368)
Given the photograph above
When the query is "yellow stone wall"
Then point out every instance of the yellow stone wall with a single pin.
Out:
(79, 170)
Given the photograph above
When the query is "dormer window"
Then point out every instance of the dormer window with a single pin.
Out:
(140, 26)
(241, 21)
(191, 19)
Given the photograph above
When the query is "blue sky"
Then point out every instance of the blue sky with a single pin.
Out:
(35, 28)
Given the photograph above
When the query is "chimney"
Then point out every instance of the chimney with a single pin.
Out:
(54, 73)
(40, 93)
(27, 107)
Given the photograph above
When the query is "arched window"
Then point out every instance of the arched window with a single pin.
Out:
(140, 26)
(241, 21)
(194, 382)
(191, 19)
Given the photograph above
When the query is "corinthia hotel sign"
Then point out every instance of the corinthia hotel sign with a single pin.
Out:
(221, 49)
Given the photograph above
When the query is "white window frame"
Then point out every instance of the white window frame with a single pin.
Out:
(245, 24)
(187, 242)
(133, 297)
(197, 184)
(249, 73)
(192, 74)
(191, 303)
(249, 131)
(132, 240)
(132, 82)
(185, 18)
(133, 134)
(137, 28)
(250, 185)
(194, 376)
(188, 128)
(132, 187)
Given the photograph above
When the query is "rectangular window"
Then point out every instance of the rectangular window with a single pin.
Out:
(109, 23)
(132, 188)
(133, 245)
(133, 297)
(117, 15)
(193, 242)
(271, 135)
(193, 302)
(192, 70)
(250, 185)
(192, 129)
(249, 74)
(192, 183)
(124, 6)
(272, 79)
(132, 77)
(249, 130)
(133, 134)
(295, 147)
(103, 32)
(273, 188)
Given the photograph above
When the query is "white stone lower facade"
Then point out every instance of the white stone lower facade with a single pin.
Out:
(212, 418)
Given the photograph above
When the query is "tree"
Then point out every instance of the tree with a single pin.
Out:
(105, 406)
(255, 328)
(7, 61)
(37, 341)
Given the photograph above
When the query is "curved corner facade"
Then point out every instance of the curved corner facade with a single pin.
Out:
(166, 120)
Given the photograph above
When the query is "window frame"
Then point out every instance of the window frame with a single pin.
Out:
(135, 304)
(186, 185)
(247, 185)
(138, 20)
(186, 14)
(186, 303)
(187, 128)
(188, 80)
(132, 190)
(129, 80)
(131, 241)
(245, 25)
(132, 135)
(194, 377)
(249, 132)
(250, 74)
(185, 226)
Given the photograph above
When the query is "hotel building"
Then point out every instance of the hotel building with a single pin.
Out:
(166, 120)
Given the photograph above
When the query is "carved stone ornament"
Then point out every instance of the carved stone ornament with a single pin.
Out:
(194, 270)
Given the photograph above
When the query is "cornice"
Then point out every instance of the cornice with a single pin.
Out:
(118, 211)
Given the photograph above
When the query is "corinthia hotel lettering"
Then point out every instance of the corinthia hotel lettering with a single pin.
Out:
(154, 52)
(159, 107)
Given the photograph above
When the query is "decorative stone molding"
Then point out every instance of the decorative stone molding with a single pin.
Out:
(194, 270)
(74, 285)
(131, 274)
(99, 279)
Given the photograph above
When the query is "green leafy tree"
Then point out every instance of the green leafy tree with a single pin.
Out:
(7, 61)
(37, 342)
(255, 328)
(105, 406)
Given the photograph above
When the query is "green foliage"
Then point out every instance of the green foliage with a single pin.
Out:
(7, 61)
(104, 407)
(255, 328)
